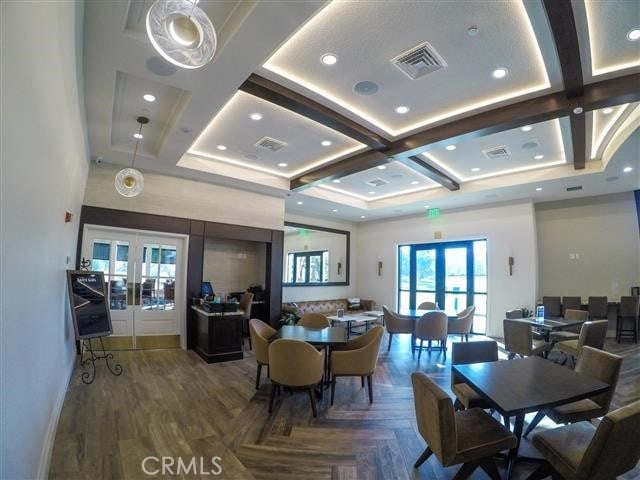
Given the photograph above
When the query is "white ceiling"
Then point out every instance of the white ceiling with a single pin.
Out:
(197, 110)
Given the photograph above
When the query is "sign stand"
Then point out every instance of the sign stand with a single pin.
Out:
(89, 376)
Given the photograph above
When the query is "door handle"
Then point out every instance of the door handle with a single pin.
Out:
(131, 293)
(138, 293)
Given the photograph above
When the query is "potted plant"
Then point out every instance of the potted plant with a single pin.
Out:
(258, 292)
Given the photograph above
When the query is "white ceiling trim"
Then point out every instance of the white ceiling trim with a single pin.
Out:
(372, 198)
(628, 126)
(602, 127)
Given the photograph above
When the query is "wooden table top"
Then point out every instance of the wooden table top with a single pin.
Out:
(551, 323)
(316, 336)
(529, 384)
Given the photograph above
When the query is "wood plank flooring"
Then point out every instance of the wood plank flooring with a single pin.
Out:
(171, 403)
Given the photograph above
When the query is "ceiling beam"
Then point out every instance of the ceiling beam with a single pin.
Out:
(565, 35)
(421, 166)
(579, 140)
(272, 92)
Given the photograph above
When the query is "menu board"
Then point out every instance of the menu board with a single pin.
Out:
(89, 306)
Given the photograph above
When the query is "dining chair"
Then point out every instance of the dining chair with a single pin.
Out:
(599, 365)
(260, 334)
(462, 323)
(592, 334)
(297, 365)
(428, 306)
(518, 339)
(432, 326)
(314, 320)
(552, 307)
(513, 314)
(629, 312)
(571, 303)
(397, 324)
(571, 333)
(462, 354)
(580, 451)
(357, 358)
(598, 308)
(468, 437)
(245, 305)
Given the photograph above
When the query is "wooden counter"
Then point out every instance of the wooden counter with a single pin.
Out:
(218, 335)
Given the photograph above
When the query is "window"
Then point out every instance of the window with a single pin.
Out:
(308, 267)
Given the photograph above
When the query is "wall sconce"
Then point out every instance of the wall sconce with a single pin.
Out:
(339, 268)
(379, 269)
(510, 266)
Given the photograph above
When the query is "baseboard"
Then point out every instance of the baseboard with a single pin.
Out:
(50, 436)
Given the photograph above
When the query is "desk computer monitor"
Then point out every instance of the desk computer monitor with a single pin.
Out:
(206, 290)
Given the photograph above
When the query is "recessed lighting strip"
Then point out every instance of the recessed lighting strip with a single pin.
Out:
(380, 197)
(596, 119)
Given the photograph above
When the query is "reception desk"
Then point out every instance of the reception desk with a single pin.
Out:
(219, 335)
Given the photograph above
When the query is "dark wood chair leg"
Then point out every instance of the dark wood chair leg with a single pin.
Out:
(272, 397)
(420, 351)
(428, 346)
(534, 423)
(423, 458)
(362, 381)
(313, 402)
(258, 376)
(370, 385)
(333, 388)
(466, 337)
(490, 468)
(466, 470)
(390, 338)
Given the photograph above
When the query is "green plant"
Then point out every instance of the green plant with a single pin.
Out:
(526, 313)
(289, 318)
(257, 290)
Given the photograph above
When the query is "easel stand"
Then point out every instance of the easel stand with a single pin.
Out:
(97, 354)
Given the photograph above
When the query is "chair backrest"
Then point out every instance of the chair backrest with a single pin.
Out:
(472, 352)
(598, 307)
(367, 346)
(463, 322)
(295, 363)
(593, 334)
(576, 315)
(614, 448)
(428, 306)
(432, 326)
(260, 334)
(435, 416)
(396, 323)
(571, 303)
(515, 313)
(552, 307)
(518, 337)
(603, 366)
(245, 303)
(630, 306)
(314, 320)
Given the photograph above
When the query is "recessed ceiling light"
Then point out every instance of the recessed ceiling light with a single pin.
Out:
(255, 116)
(472, 31)
(282, 165)
(372, 193)
(334, 210)
(337, 180)
(538, 157)
(329, 59)
(221, 147)
(402, 109)
(415, 182)
(451, 147)
(381, 167)
(363, 216)
(527, 128)
(326, 143)
(633, 35)
(475, 169)
(149, 98)
(538, 189)
(607, 110)
(137, 135)
(299, 203)
(627, 169)
(578, 110)
(499, 73)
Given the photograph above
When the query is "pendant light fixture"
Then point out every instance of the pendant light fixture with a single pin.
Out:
(129, 182)
(181, 32)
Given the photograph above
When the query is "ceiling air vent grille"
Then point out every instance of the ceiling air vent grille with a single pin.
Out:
(376, 182)
(574, 189)
(270, 144)
(419, 61)
(497, 152)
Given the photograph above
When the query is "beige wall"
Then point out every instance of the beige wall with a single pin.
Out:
(180, 197)
(233, 265)
(601, 233)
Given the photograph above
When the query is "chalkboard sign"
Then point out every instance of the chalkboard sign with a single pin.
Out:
(89, 307)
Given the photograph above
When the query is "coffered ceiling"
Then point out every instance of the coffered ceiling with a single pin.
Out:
(302, 101)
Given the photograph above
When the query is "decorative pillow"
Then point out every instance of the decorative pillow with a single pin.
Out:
(353, 303)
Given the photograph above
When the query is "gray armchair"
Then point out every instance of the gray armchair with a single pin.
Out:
(462, 323)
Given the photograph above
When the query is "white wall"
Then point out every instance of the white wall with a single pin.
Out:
(603, 232)
(233, 265)
(509, 230)
(316, 240)
(181, 197)
(44, 168)
(295, 294)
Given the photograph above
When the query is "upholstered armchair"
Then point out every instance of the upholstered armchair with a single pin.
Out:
(570, 333)
(428, 306)
(462, 323)
(518, 339)
(465, 353)
(314, 320)
(592, 334)
(245, 305)
(357, 359)
(397, 324)
(432, 326)
(260, 335)
(552, 307)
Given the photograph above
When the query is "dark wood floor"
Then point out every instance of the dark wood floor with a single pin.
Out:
(170, 403)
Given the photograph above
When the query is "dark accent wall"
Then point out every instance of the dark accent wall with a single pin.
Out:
(198, 231)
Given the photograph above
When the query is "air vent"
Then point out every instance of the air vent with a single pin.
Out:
(376, 182)
(497, 152)
(574, 189)
(270, 144)
(419, 61)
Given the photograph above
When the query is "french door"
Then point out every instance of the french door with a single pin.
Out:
(452, 274)
(144, 274)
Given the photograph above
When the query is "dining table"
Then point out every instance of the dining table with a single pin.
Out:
(520, 386)
(548, 325)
